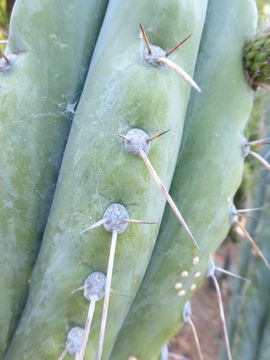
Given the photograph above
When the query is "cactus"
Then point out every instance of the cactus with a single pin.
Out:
(208, 173)
(41, 77)
(133, 95)
(249, 331)
(105, 193)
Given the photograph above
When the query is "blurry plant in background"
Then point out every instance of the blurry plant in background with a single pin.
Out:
(5, 8)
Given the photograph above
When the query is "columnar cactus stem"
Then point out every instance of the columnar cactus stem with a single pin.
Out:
(97, 171)
(130, 89)
(206, 178)
(43, 72)
(249, 318)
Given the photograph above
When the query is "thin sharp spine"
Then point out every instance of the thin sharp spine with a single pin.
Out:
(248, 216)
(265, 141)
(146, 40)
(123, 137)
(253, 244)
(87, 329)
(64, 353)
(177, 46)
(4, 56)
(240, 211)
(107, 294)
(179, 71)
(230, 273)
(176, 356)
(222, 316)
(197, 342)
(97, 224)
(119, 293)
(167, 196)
(260, 158)
(4, 31)
(76, 290)
(157, 136)
(134, 221)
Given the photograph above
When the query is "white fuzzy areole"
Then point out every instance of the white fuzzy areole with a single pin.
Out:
(94, 286)
(116, 218)
(153, 58)
(136, 140)
(74, 340)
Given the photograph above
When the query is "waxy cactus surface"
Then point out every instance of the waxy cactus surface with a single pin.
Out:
(49, 50)
(107, 215)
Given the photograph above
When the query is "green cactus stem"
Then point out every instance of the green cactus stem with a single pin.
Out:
(49, 50)
(122, 92)
(249, 330)
(207, 175)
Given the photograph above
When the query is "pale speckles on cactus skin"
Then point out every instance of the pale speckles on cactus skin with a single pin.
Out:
(195, 260)
(193, 287)
(184, 274)
(181, 293)
(178, 286)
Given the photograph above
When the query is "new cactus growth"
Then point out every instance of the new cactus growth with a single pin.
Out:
(257, 59)
(130, 92)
